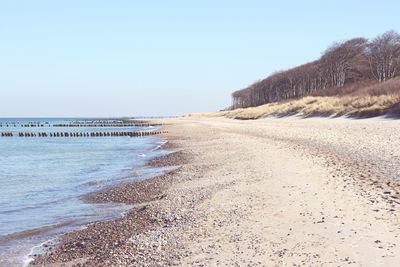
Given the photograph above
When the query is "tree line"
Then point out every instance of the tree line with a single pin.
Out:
(355, 60)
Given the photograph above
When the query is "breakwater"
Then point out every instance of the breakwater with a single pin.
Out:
(80, 134)
(110, 123)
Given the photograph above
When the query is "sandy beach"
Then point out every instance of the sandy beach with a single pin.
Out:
(268, 192)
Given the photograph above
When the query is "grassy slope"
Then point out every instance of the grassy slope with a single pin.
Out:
(357, 106)
(363, 99)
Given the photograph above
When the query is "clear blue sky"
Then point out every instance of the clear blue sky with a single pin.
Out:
(121, 58)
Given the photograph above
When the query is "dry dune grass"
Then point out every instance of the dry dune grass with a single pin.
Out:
(360, 99)
(356, 106)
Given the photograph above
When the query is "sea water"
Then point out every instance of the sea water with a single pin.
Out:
(43, 178)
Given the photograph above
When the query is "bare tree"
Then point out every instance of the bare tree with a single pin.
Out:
(384, 56)
(342, 63)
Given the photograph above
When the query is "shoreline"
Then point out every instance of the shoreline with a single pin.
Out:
(76, 246)
(48, 204)
(258, 193)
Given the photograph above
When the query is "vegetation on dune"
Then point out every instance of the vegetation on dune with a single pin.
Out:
(356, 106)
(358, 77)
(356, 68)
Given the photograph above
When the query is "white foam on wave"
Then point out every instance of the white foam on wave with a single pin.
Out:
(27, 259)
(160, 145)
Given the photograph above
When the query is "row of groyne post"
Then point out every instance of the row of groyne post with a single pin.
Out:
(25, 125)
(81, 124)
(105, 124)
(81, 134)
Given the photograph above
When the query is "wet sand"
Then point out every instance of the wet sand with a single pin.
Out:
(271, 192)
